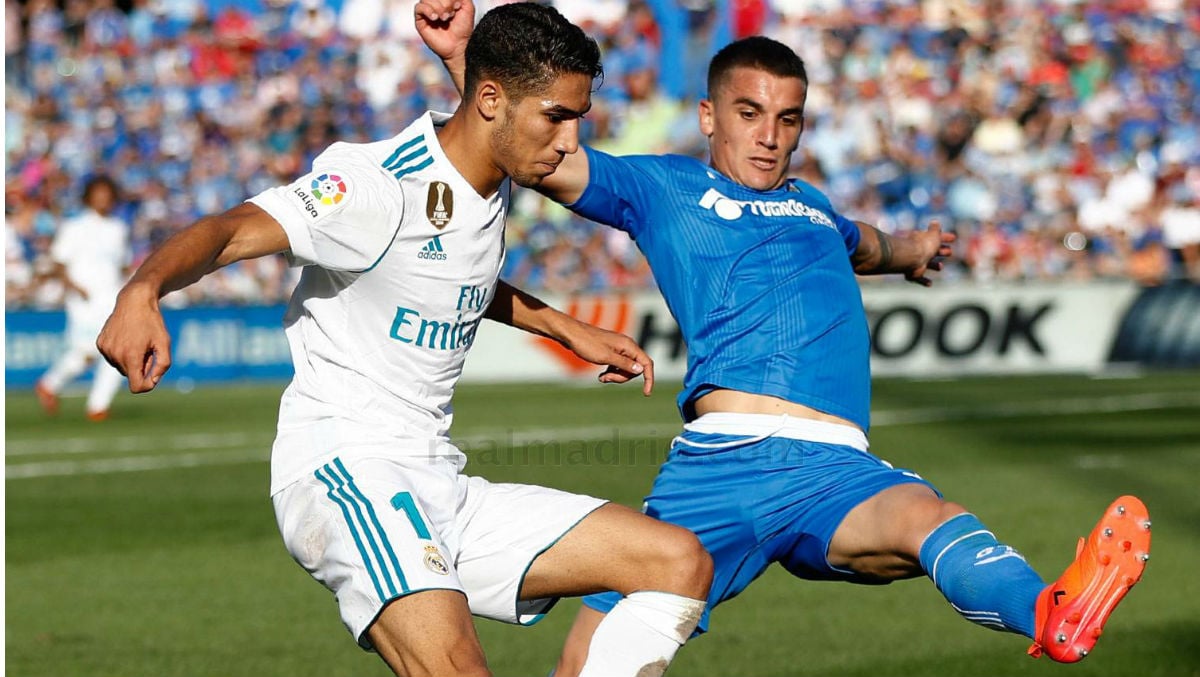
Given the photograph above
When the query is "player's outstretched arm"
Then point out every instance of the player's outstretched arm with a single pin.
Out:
(622, 356)
(914, 254)
(134, 339)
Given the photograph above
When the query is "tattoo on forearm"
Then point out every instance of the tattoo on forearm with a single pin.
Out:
(885, 251)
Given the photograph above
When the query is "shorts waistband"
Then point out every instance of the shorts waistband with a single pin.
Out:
(762, 426)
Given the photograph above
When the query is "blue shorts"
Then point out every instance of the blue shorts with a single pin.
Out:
(762, 501)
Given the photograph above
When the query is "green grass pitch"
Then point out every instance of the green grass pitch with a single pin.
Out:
(146, 545)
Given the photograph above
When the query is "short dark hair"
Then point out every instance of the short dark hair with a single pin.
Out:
(759, 53)
(524, 46)
(97, 181)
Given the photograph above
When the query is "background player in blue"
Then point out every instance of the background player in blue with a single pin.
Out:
(772, 465)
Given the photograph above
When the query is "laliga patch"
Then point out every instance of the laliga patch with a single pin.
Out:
(435, 562)
(322, 194)
(329, 189)
(439, 204)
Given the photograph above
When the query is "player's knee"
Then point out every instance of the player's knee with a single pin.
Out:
(687, 566)
(935, 515)
(923, 519)
(887, 547)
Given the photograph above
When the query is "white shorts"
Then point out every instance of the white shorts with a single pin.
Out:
(375, 529)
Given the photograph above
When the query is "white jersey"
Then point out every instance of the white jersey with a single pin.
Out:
(94, 249)
(402, 258)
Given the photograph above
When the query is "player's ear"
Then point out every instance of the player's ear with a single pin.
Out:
(706, 117)
(489, 99)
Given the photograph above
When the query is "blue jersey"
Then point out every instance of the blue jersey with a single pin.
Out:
(760, 282)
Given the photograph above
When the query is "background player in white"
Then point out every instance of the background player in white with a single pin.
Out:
(402, 241)
(91, 256)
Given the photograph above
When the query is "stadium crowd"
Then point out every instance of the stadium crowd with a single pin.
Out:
(1060, 140)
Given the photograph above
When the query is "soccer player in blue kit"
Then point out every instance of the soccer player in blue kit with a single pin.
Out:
(772, 465)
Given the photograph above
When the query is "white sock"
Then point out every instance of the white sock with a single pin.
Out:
(107, 382)
(64, 370)
(641, 634)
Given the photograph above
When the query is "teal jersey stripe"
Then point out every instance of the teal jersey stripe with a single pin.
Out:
(353, 532)
(391, 163)
(415, 168)
(418, 153)
(387, 545)
(362, 521)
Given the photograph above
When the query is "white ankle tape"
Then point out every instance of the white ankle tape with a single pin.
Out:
(641, 634)
(673, 615)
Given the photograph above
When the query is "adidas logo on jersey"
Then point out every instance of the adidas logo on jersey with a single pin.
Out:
(432, 250)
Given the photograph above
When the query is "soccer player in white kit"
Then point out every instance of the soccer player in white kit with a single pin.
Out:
(402, 241)
(90, 254)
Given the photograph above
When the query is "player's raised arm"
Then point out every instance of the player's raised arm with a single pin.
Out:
(913, 254)
(445, 26)
(134, 339)
(622, 356)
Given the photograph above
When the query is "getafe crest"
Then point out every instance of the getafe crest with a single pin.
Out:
(439, 204)
(433, 557)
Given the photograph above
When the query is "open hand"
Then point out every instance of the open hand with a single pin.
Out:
(935, 246)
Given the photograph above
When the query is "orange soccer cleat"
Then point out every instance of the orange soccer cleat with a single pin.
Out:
(46, 398)
(1071, 612)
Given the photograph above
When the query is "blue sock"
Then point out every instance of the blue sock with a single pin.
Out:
(987, 582)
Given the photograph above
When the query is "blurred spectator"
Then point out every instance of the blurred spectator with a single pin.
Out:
(1060, 140)
(1181, 231)
(314, 22)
